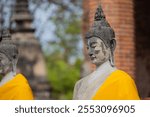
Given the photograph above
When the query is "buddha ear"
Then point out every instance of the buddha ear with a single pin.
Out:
(112, 47)
(14, 63)
(113, 44)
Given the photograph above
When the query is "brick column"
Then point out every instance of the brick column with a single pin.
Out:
(119, 14)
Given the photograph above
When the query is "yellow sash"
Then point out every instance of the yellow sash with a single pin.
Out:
(118, 86)
(16, 89)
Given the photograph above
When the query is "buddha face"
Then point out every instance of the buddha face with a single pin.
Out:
(5, 64)
(97, 51)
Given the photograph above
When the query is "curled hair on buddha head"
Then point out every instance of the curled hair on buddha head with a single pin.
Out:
(7, 47)
(102, 29)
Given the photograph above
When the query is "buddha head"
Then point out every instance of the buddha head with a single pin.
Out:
(100, 40)
(8, 54)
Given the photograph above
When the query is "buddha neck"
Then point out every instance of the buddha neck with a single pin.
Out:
(105, 67)
(7, 78)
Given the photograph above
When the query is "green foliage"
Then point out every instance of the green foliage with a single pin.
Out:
(62, 77)
(62, 73)
(68, 33)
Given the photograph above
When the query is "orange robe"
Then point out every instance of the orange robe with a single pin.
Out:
(118, 86)
(16, 89)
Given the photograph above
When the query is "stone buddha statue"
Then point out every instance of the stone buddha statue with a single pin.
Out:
(106, 82)
(13, 86)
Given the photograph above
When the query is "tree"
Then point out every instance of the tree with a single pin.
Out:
(66, 47)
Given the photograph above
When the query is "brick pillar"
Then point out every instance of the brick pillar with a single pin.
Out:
(87, 67)
(119, 14)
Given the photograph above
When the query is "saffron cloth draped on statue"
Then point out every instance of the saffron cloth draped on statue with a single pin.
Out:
(16, 89)
(117, 86)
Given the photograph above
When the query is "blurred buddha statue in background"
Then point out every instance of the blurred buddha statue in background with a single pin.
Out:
(106, 82)
(13, 86)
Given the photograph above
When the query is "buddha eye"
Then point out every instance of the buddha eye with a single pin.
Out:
(93, 45)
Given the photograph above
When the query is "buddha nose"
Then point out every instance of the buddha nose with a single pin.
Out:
(90, 53)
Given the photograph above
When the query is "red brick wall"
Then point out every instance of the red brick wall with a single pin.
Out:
(120, 15)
